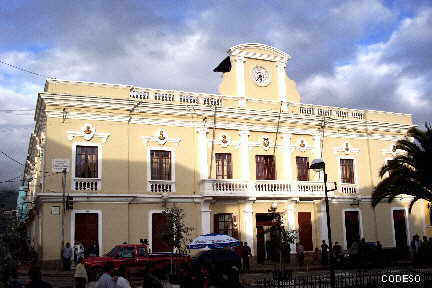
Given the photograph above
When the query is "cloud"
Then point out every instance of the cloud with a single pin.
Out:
(346, 53)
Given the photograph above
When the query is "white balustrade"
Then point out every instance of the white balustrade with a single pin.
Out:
(272, 186)
(161, 186)
(164, 96)
(86, 184)
(139, 94)
(349, 189)
(308, 187)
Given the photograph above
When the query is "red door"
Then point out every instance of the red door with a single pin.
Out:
(158, 227)
(305, 230)
(352, 227)
(399, 225)
(86, 229)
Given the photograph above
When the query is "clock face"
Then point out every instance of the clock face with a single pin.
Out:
(261, 76)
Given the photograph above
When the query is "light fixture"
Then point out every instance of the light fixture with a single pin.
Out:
(274, 205)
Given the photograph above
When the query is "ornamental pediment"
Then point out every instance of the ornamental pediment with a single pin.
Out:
(161, 137)
(88, 132)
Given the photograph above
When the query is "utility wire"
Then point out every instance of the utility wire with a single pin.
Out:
(9, 157)
(277, 128)
(24, 70)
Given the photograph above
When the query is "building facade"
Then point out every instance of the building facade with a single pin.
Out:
(224, 158)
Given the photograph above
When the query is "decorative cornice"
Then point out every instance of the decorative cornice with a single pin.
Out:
(161, 137)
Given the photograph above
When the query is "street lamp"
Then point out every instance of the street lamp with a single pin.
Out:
(318, 165)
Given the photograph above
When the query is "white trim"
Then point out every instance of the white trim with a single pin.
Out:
(343, 223)
(406, 224)
(240, 76)
(150, 225)
(88, 144)
(356, 172)
(280, 66)
(100, 227)
(173, 164)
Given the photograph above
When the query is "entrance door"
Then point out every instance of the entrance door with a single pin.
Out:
(158, 227)
(305, 230)
(352, 227)
(264, 222)
(400, 228)
(86, 230)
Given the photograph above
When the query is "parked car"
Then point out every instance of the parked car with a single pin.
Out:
(132, 255)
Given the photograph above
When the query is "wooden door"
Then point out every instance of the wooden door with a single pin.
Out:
(352, 227)
(158, 227)
(399, 224)
(305, 230)
(86, 229)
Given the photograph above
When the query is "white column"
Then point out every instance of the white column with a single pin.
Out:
(317, 154)
(244, 155)
(248, 225)
(291, 221)
(323, 220)
(240, 79)
(202, 153)
(205, 216)
(280, 66)
(286, 157)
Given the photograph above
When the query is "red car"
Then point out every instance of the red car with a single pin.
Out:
(132, 255)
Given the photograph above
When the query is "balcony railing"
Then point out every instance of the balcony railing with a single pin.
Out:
(349, 189)
(161, 186)
(236, 187)
(86, 184)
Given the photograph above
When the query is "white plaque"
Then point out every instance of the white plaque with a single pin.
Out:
(58, 165)
(55, 210)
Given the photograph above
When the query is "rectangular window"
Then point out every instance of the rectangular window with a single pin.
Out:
(223, 166)
(347, 170)
(302, 168)
(224, 224)
(160, 165)
(265, 167)
(86, 162)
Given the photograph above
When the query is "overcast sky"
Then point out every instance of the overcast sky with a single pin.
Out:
(357, 54)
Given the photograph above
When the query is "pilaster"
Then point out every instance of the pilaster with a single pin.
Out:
(291, 221)
(240, 79)
(249, 225)
(287, 150)
(280, 67)
(202, 152)
(244, 154)
(205, 216)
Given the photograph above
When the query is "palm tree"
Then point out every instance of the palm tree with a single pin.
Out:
(410, 172)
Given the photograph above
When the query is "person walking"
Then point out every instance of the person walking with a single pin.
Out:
(106, 280)
(246, 253)
(324, 253)
(67, 256)
(80, 275)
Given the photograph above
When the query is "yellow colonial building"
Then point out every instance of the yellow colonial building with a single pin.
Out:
(224, 158)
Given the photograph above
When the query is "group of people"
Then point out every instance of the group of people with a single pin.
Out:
(77, 252)
(421, 250)
(244, 252)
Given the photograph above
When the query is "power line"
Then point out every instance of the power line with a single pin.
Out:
(24, 70)
(7, 156)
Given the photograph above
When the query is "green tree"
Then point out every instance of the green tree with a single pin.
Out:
(176, 233)
(410, 172)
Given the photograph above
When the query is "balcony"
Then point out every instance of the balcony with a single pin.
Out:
(349, 189)
(86, 184)
(161, 186)
(261, 188)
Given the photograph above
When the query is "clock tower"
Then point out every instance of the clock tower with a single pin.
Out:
(258, 72)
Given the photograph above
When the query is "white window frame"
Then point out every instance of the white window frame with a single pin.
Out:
(100, 227)
(356, 174)
(74, 147)
(407, 224)
(343, 223)
(173, 164)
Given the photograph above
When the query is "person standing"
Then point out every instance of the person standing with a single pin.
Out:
(300, 254)
(268, 249)
(67, 256)
(246, 253)
(238, 250)
(80, 275)
(122, 282)
(324, 253)
(106, 280)
(36, 279)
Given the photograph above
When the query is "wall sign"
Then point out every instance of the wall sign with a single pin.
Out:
(58, 165)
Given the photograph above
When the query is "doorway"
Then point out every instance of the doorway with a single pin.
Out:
(305, 230)
(400, 228)
(352, 227)
(264, 222)
(159, 225)
(86, 230)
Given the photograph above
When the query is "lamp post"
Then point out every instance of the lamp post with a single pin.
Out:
(318, 165)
